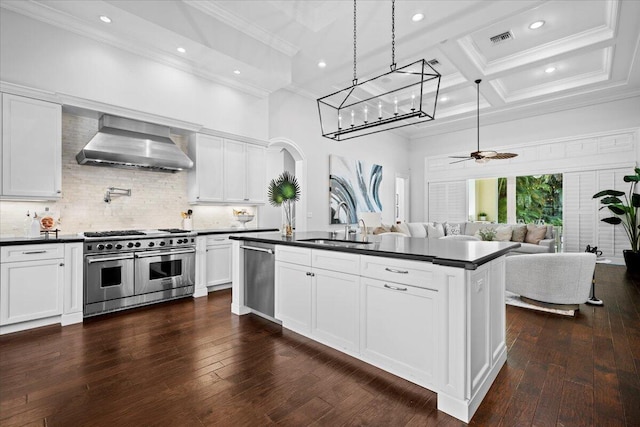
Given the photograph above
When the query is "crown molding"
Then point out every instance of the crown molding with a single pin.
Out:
(250, 29)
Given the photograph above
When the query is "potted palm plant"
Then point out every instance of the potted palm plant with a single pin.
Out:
(625, 208)
(284, 191)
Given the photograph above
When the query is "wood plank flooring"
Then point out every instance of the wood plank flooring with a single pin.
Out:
(193, 363)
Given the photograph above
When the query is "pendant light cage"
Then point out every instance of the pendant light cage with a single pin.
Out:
(403, 96)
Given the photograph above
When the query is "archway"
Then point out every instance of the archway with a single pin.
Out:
(277, 145)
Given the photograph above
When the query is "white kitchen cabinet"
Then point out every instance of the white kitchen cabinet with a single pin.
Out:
(31, 290)
(293, 296)
(31, 148)
(205, 179)
(336, 309)
(244, 172)
(399, 328)
(219, 261)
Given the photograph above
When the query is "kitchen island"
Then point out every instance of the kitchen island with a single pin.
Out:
(428, 310)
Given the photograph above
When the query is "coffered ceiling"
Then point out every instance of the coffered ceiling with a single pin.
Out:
(586, 51)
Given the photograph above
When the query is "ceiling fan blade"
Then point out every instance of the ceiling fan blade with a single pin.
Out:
(459, 157)
(502, 156)
(463, 160)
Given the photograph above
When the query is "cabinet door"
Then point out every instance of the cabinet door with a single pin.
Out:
(256, 174)
(219, 263)
(235, 171)
(31, 148)
(336, 309)
(399, 328)
(73, 278)
(30, 290)
(293, 297)
(208, 184)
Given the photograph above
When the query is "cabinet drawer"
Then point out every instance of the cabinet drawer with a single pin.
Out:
(31, 252)
(218, 239)
(413, 273)
(293, 255)
(335, 261)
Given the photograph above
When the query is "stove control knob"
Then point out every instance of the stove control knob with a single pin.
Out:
(118, 246)
(130, 244)
(100, 247)
(137, 244)
(180, 241)
(162, 243)
(151, 244)
(109, 246)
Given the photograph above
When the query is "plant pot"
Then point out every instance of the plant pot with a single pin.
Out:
(632, 261)
(482, 218)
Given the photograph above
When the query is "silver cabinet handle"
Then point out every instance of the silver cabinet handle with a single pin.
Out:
(219, 240)
(310, 274)
(62, 264)
(253, 248)
(391, 270)
(395, 288)
(33, 252)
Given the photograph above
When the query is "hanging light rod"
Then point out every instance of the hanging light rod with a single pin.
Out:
(403, 96)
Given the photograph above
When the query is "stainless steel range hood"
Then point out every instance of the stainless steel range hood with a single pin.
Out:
(129, 143)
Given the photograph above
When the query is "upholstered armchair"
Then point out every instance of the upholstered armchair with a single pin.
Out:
(559, 278)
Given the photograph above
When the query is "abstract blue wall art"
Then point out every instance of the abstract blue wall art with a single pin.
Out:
(354, 186)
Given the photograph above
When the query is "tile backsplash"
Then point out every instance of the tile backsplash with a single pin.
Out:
(156, 200)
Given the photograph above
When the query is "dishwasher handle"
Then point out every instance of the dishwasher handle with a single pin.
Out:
(253, 248)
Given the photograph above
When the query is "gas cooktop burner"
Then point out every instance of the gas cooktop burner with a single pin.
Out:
(173, 230)
(114, 233)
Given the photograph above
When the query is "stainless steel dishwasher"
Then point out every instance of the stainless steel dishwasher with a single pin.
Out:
(259, 277)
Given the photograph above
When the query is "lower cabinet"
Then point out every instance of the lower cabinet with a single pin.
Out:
(398, 328)
(293, 296)
(31, 290)
(219, 259)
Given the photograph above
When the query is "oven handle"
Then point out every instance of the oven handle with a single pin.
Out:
(91, 260)
(168, 252)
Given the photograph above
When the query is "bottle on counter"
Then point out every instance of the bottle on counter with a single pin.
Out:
(35, 226)
(26, 228)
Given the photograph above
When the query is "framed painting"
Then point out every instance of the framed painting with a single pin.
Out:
(354, 186)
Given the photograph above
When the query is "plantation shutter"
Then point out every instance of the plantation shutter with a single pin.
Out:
(579, 223)
(448, 201)
(611, 240)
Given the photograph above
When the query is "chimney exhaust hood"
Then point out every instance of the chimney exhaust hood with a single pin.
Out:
(129, 143)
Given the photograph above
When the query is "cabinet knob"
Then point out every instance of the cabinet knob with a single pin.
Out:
(246, 200)
(59, 191)
(62, 264)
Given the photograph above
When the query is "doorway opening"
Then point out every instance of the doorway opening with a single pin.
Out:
(401, 208)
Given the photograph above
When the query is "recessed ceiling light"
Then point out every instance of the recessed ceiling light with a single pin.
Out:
(322, 64)
(549, 70)
(444, 98)
(236, 71)
(417, 17)
(536, 25)
(181, 50)
(105, 19)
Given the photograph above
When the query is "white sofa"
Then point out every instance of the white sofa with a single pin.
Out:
(433, 230)
(562, 278)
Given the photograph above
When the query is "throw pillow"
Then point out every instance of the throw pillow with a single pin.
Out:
(382, 229)
(519, 231)
(535, 233)
(451, 229)
(435, 231)
(417, 229)
(487, 234)
(503, 233)
(401, 228)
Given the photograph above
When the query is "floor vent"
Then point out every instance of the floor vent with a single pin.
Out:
(507, 35)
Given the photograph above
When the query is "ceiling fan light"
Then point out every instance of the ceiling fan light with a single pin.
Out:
(488, 153)
(482, 160)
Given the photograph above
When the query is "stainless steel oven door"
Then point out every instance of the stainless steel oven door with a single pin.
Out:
(163, 270)
(108, 276)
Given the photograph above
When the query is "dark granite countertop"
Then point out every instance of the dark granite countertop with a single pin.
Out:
(233, 231)
(454, 253)
(62, 238)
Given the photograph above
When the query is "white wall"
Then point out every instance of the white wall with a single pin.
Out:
(593, 119)
(41, 56)
(296, 118)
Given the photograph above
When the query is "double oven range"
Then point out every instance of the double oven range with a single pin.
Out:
(129, 268)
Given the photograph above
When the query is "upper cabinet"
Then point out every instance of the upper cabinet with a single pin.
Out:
(31, 164)
(226, 171)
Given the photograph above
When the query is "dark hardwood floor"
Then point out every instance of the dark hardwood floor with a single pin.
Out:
(192, 363)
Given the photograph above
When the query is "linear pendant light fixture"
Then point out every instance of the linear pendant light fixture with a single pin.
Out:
(401, 97)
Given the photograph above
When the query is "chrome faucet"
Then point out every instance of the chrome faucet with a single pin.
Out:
(364, 228)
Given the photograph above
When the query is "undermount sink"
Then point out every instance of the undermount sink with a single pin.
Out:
(331, 242)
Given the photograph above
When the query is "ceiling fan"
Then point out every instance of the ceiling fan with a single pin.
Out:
(485, 155)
